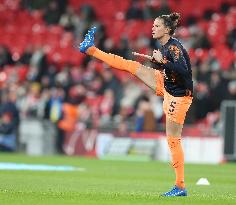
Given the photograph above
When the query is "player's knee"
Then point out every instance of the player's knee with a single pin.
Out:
(173, 142)
(173, 128)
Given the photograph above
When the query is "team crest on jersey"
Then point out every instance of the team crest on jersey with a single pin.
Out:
(175, 50)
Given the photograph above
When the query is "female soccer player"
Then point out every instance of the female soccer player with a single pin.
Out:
(172, 80)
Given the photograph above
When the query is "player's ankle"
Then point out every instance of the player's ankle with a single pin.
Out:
(180, 185)
(91, 50)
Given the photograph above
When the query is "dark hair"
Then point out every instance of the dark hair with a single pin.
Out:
(171, 21)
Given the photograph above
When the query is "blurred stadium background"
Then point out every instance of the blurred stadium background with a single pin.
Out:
(55, 100)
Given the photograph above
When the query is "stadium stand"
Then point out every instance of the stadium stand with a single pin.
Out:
(39, 64)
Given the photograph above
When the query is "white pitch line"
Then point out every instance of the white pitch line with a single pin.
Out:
(38, 167)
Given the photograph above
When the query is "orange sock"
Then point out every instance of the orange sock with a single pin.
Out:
(177, 155)
(114, 60)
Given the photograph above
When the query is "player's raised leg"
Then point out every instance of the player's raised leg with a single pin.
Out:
(87, 46)
(144, 73)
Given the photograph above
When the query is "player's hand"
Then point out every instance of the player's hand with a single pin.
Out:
(157, 56)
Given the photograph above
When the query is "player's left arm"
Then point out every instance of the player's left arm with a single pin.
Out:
(177, 63)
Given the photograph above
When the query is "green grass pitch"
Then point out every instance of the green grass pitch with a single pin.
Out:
(112, 183)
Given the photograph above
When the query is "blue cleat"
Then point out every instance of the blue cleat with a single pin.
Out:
(88, 40)
(176, 191)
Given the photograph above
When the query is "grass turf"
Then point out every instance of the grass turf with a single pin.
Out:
(112, 183)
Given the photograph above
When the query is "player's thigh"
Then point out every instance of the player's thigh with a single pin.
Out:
(175, 109)
(152, 78)
(159, 83)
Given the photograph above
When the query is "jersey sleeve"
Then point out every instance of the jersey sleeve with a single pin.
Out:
(176, 61)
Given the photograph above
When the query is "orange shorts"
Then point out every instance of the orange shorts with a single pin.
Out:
(175, 108)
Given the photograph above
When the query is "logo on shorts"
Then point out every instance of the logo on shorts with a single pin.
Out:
(172, 107)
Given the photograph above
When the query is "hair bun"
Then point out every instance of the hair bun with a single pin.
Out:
(171, 21)
(175, 17)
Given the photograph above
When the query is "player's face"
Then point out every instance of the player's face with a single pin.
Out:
(159, 29)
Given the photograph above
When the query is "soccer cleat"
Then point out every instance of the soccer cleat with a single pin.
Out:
(176, 191)
(88, 40)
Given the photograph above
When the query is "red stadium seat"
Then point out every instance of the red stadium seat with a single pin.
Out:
(224, 55)
(217, 29)
(231, 19)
